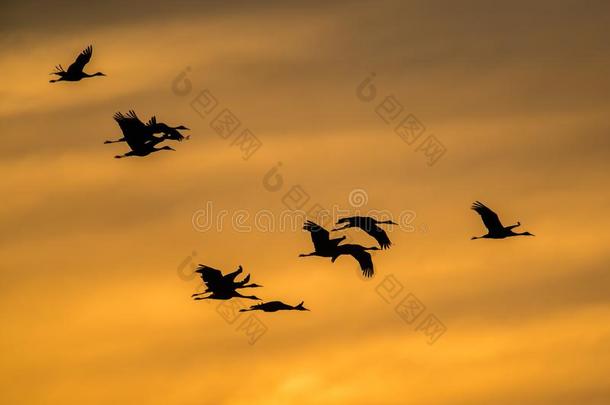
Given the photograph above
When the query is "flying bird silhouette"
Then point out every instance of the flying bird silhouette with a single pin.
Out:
(361, 255)
(150, 129)
(326, 247)
(166, 130)
(495, 228)
(273, 306)
(323, 245)
(139, 137)
(368, 225)
(131, 123)
(75, 70)
(222, 287)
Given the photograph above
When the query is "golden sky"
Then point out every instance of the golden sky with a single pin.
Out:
(96, 252)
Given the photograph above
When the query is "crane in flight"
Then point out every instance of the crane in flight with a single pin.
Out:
(273, 306)
(326, 247)
(138, 136)
(151, 128)
(168, 132)
(495, 229)
(222, 286)
(368, 225)
(75, 70)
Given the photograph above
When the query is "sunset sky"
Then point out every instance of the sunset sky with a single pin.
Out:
(97, 253)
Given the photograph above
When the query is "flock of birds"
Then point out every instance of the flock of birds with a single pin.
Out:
(140, 137)
(143, 138)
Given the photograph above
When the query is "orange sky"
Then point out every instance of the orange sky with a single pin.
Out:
(94, 306)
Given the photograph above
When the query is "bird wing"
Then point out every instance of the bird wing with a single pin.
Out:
(380, 236)
(153, 126)
(211, 277)
(131, 115)
(363, 257)
(319, 235)
(136, 133)
(169, 132)
(130, 130)
(81, 60)
(490, 218)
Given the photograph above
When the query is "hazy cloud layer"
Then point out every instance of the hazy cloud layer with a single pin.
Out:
(93, 305)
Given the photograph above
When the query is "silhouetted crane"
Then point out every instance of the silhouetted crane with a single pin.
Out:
(323, 245)
(222, 287)
(132, 123)
(239, 284)
(495, 228)
(137, 135)
(273, 306)
(169, 132)
(326, 247)
(75, 70)
(360, 254)
(150, 129)
(368, 225)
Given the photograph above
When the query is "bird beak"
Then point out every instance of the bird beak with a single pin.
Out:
(393, 223)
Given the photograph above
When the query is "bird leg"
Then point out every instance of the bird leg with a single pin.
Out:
(250, 297)
(117, 140)
(307, 254)
(513, 226)
(250, 286)
(340, 229)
